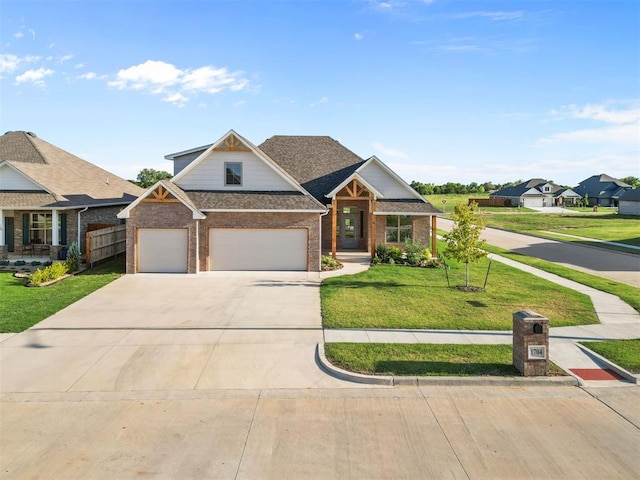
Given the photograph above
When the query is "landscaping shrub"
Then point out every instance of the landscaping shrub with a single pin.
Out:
(49, 273)
(73, 258)
(382, 252)
(396, 254)
(330, 263)
(416, 252)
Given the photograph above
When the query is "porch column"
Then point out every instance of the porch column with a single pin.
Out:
(334, 226)
(434, 236)
(372, 209)
(2, 235)
(55, 234)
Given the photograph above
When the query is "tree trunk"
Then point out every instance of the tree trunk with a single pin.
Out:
(467, 272)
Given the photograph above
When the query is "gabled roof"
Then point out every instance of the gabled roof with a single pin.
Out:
(65, 178)
(601, 186)
(319, 164)
(233, 137)
(161, 190)
(533, 187)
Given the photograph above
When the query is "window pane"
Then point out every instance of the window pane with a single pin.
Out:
(392, 235)
(405, 220)
(233, 174)
(349, 210)
(405, 234)
(392, 221)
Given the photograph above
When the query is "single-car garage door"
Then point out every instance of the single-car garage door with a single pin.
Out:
(257, 249)
(162, 250)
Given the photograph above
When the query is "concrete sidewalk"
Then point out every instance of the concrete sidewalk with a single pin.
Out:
(617, 321)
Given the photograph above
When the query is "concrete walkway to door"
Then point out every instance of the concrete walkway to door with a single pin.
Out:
(176, 332)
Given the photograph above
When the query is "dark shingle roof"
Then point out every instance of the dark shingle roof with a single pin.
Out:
(632, 195)
(252, 200)
(73, 181)
(601, 186)
(405, 206)
(319, 164)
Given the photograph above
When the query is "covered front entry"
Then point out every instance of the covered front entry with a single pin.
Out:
(258, 249)
(162, 250)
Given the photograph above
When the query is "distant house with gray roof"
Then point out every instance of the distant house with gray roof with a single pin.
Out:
(537, 193)
(629, 202)
(232, 205)
(602, 190)
(48, 196)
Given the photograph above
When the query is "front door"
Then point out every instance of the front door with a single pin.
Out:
(349, 230)
(9, 233)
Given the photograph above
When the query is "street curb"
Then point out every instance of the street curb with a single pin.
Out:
(630, 377)
(392, 381)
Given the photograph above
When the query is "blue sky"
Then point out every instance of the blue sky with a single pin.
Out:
(439, 90)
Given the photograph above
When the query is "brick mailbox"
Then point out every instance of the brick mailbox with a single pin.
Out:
(531, 343)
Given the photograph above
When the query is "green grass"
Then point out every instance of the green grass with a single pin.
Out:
(624, 353)
(22, 307)
(403, 297)
(610, 227)
(424, 359)
(627, 293)
(454, 199)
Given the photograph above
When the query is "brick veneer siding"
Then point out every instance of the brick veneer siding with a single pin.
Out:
(161, 215)
(309, 221)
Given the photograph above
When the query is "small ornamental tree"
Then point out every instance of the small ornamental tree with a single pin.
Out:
(463, 241)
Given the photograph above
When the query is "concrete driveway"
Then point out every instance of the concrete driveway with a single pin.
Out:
(176, 332)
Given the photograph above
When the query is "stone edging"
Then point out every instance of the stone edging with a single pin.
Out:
(391, 381)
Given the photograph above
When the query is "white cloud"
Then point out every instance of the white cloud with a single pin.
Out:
(498, 16)
(177, 99)
(239, 103)
(65, 58)
(18, 35)
(91, 76)
(35, 76)
(162, 78)
(320, 102)
(620, 126)
(388, 152)
(8, 63)
(358, 36)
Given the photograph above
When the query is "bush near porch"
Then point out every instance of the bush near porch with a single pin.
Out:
(403, 297)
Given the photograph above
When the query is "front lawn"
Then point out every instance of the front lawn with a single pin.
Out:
(22, 307)
(425, 359)
(624, 353)
(387, 296)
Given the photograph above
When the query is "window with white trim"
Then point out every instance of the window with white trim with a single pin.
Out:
(399, 228)
(232, 174)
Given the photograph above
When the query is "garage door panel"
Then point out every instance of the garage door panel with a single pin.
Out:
(162, 250)
(258, 249)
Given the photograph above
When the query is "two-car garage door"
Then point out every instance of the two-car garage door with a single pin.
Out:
(257, 249)
(165, 250)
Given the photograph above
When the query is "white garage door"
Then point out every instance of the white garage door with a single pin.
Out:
(162, 250)
(257, 249)
(533, 202)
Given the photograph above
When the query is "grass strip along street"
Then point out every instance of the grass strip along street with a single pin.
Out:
(425, 359)
(627, 293)
(610, 227)
(22, 307)
(624, 353)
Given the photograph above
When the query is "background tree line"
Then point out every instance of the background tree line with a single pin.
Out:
(486, 187)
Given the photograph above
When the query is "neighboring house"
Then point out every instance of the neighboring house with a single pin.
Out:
(49, 196)
(538, 192)
(235, 206)
(602, 190)
(629, 202)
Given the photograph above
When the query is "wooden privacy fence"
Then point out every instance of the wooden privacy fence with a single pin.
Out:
(105, 243)
(491, 202)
